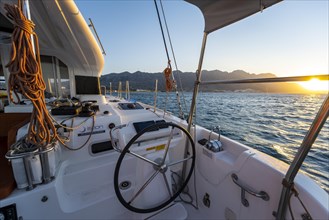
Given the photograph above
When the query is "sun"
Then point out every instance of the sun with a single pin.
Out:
(315, 85)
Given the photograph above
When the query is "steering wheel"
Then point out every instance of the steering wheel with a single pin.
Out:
(160, 166)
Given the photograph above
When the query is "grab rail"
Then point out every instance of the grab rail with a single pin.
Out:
(43, 153)
(113, 141)
(99, 40)
(262, 194)
(11, 155)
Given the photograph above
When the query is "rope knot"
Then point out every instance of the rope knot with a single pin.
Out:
(15, 14)
(26, 25)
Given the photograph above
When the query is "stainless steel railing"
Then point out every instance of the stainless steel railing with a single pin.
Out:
(244, 188)
(267, 80)
(306, 144)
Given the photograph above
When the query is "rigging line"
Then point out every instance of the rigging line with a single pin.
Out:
(163, 37)
(174, 57)
(168, 58)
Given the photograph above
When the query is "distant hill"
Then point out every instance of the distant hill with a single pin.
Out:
(146, 81)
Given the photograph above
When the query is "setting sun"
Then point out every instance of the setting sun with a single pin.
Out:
(315, 85)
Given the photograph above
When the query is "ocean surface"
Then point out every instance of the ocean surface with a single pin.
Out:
(272, 123)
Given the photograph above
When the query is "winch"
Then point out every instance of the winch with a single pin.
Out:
(214, 145)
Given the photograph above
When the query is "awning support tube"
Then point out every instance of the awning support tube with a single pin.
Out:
(305, 147)
(267, 80)
(197, 82)
(195, 94)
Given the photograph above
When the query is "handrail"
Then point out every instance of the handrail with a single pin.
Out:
(11, 155)
(99, 40)
(267, 80)
(244, 188)
(195, 94)
(113, 141)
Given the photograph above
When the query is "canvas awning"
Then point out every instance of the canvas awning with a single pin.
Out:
(220, 13)
(62, 32)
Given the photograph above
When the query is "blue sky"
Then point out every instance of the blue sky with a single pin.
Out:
(290, 38)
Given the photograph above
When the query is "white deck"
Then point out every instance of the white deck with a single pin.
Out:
(83, 187)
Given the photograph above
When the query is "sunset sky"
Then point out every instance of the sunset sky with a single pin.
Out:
(290, 38)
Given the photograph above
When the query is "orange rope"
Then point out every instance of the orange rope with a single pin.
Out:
(26, 77)
(169, 82)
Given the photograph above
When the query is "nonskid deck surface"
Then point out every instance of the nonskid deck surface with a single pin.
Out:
(175, 211)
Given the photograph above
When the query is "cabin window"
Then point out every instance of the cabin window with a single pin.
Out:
(87, 85)
(56, 76)
(3, 89)
(48, 76)
(65, 80)
(2, 79)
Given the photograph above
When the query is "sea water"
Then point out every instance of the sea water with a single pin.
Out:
(272, 123)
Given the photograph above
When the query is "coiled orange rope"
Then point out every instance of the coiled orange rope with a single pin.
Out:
(169, 83)
(26, 77)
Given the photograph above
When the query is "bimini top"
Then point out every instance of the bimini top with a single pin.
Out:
(220, 13)
(63, 33)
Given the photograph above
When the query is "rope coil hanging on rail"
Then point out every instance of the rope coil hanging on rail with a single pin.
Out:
(169, 82)
(26, 77)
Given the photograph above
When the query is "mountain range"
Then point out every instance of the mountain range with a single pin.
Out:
(146, 81)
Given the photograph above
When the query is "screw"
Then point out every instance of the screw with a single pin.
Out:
(206, 200)
(44, 199)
